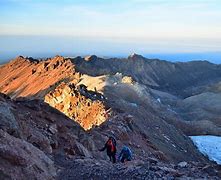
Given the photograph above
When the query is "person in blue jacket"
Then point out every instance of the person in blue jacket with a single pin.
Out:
(125, 154)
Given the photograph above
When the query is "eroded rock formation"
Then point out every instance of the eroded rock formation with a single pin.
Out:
(24, 77)
(85, 107)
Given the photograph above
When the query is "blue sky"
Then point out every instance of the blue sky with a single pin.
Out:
(110, 27)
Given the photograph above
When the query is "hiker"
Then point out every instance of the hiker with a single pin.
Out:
(125, 154)
(110, 145)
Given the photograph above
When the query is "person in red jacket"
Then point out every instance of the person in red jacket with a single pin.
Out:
(110, 146)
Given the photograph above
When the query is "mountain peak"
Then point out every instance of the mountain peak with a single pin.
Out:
(90, 58)
(135, 56)
(21, 59)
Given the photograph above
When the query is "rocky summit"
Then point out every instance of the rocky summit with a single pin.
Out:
(56, 113)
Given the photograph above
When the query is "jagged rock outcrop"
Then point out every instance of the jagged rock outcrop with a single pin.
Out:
(24, 77)
(85, 107)
(35, 79)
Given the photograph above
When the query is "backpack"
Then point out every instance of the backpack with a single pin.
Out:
(113, 141)
(112, 145)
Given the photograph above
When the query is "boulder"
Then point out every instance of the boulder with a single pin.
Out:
(21, 160)
(81, 150)
(182, 164)
(7, 119)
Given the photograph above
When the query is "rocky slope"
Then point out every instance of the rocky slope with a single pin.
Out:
(39, 142)
(138, 169)
(31, 132)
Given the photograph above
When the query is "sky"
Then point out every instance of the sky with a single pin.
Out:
(169, 29)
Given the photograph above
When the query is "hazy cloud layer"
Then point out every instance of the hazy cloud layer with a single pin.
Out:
(142, 25)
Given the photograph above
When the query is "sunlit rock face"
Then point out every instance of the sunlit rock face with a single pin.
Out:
(48, 79)
(27, 77)
(85, 107)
